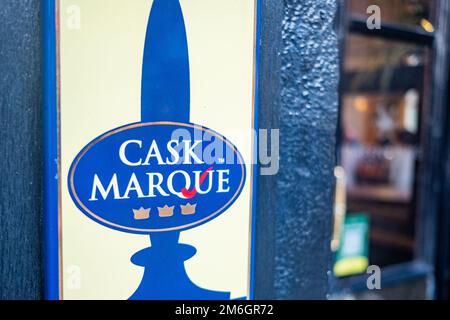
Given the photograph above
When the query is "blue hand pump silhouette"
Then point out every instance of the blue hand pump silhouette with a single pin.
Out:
(166, 97)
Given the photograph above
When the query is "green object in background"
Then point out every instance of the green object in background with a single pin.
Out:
(353, 255)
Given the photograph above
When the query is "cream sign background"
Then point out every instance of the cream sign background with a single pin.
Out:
(100, 83)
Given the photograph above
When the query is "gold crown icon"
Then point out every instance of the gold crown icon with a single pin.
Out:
(188, 209)
(141, 214)
(166, 211)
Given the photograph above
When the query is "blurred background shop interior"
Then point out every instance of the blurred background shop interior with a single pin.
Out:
(390, 92)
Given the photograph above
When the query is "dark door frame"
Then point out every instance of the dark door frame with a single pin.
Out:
(443, 238)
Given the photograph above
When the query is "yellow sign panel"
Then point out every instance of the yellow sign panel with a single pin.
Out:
(146, 89)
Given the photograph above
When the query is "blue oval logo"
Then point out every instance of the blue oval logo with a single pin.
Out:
(156, 177)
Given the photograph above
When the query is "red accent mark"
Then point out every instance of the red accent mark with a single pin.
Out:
(190, 194)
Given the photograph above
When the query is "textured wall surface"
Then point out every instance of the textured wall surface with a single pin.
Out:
(308, 119)
(303, 104)
(20, 149)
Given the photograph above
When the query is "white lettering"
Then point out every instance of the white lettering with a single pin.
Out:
(170, 182)
(197, 182)
(175, 154)
(133, 185)
(189, 152)
(123, 156)
(97, 185)
(152, 185)
(153, 153)
(222, 181)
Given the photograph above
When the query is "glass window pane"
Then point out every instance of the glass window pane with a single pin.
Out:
(410, 12)
(384, 88)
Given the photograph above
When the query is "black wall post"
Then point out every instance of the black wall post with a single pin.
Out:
(299, 95)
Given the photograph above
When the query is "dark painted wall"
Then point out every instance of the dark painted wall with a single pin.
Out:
(20, 150)
(298, 95)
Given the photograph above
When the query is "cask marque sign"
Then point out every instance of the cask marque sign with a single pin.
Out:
(152, 101)
(125, 169)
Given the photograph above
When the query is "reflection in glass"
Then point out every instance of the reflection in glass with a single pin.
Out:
(409, 12)
(381, 107)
